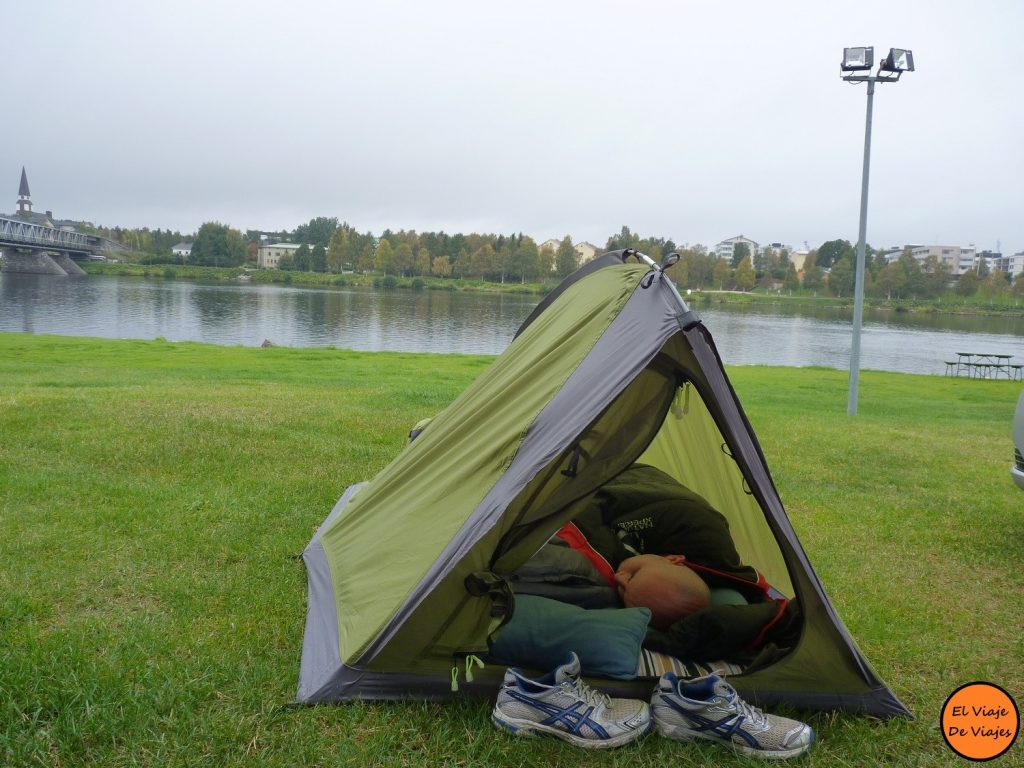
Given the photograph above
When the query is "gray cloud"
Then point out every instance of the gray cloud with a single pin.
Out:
(690, 120)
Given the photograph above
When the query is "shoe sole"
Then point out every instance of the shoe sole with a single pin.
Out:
(682, 733)
(529, 728)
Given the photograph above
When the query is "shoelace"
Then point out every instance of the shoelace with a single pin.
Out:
(591, 696)
(755, 715)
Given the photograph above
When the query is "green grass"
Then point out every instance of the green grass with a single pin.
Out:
(153, 496)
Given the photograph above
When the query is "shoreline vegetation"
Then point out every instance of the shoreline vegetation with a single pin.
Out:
(154, 496)
(949, 303)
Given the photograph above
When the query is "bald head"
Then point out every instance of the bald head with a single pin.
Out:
(670, 591)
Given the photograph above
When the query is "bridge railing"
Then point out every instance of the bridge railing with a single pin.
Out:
(15, 231)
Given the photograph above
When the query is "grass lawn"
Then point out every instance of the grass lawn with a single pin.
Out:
(153, 497)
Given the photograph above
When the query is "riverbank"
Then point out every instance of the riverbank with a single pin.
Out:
(154, 496)
(313, 279)
(947, 304)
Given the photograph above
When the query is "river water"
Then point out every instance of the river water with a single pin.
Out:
(464, 322)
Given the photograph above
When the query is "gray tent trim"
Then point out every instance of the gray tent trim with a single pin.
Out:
(321, 656)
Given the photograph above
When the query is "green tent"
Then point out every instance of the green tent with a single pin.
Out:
(407, 574)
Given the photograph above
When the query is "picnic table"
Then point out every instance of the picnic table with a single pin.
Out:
(984, 365)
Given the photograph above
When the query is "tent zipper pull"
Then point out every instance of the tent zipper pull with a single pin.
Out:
(470, 661)
(455, 677)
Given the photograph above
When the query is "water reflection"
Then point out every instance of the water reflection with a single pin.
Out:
(446, 321)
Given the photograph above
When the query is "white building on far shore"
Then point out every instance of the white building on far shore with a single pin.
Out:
(958, 258)
(725, 248)
(269, 255)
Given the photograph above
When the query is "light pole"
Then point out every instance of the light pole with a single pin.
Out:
(856, 68)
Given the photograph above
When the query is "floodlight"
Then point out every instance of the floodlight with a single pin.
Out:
(898, 60)
(856, 68)
(858, 58)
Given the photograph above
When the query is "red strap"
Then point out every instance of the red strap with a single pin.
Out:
(757, 641)
(574, 537)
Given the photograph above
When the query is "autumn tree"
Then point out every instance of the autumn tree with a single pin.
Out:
(914, 284)
(463, 266)
(567, 260)
(403, 258)
(441, 266)
(482, 261)
(721, 273)
(524, 258)
(995, 284)
(367, 259)
(501, 264)
(765, 261)
(339, 250)
(891, 280)
(842, 279)
(421, 264)
(935, 274)
(814, 275)
(744, 277)
(967, 285)
(782, 264)
(740, 251)
(791, 280)
(545, 261)
(384, 256)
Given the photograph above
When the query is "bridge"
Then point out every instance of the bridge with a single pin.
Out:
(26, 247)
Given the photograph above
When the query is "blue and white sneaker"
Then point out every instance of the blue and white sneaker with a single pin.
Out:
(709, 708)
(562, 705)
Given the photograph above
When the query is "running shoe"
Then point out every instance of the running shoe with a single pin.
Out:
(709, 708)
(560, 704)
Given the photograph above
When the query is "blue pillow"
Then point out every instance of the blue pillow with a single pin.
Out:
(541, 633)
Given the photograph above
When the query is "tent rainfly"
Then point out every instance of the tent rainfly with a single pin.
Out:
(407, 575)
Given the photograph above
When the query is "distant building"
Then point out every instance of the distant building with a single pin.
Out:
(1010, 265)
(25, 212)
(959, 259)
(584, 250)
(184, 250)
(777, 247)
(47, 219)
(269, 255)
(587, 251)
(1015, 263)
(726, 248)
(24, 195)
(798, 259)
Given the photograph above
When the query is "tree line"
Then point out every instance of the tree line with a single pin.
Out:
(330, 246)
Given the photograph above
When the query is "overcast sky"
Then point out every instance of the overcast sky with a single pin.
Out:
(694, 121)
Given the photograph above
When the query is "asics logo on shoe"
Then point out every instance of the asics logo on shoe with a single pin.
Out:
(570, 718)
(727, 727)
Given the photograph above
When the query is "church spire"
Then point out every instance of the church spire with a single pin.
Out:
(24, 196)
